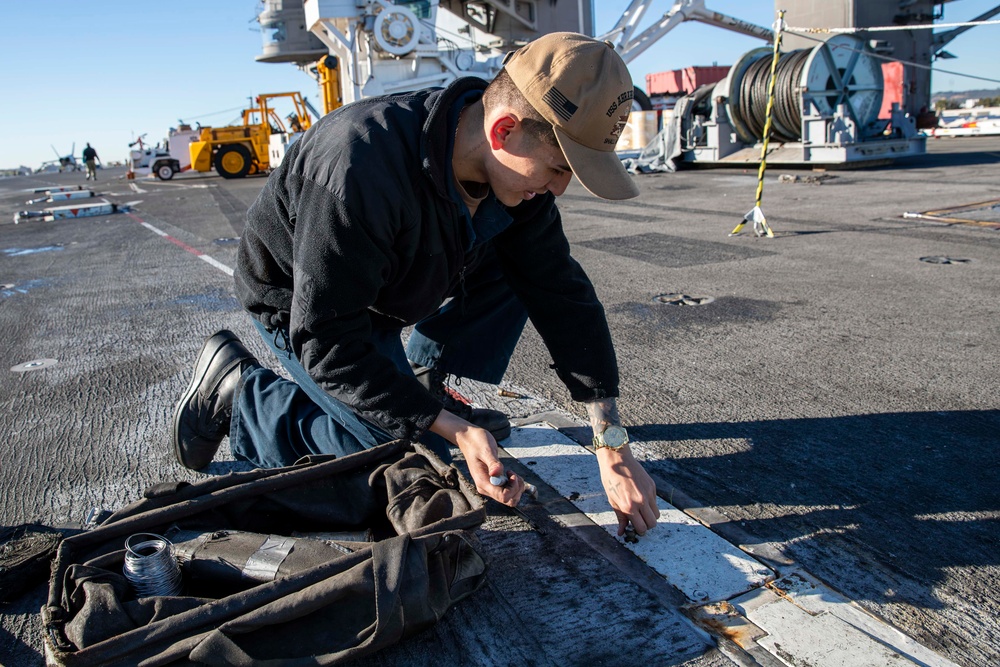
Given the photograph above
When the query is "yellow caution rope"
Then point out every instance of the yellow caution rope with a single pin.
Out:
(756, 215)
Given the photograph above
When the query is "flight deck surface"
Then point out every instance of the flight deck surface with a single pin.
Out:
(819, 411)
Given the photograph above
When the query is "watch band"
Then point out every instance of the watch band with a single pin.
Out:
(618, 432)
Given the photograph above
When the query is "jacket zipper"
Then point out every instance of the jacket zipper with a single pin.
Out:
(461, 286)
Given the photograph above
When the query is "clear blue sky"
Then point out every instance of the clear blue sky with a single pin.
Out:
(109, 70)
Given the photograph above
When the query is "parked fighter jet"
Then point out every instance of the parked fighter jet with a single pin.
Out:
(64, 162)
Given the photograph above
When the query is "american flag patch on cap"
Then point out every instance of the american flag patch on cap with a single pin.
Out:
(562, 106)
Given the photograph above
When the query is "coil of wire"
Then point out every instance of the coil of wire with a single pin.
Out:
(150, 565)
(786, 118)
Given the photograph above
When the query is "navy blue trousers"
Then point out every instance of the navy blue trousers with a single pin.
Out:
(277, 421)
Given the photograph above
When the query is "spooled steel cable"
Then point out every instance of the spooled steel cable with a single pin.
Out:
(786, 120)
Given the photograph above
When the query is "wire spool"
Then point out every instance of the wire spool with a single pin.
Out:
(843, 71)
(838, 72)
(150, 566)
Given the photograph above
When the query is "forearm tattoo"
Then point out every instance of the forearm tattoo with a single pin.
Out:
(603, 413)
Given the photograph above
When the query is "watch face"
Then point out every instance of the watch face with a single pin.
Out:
(615, 436)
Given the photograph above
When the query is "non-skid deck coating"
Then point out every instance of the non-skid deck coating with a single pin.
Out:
(825, 425)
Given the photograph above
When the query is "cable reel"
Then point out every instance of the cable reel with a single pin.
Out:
(396, 30)
(841, 71)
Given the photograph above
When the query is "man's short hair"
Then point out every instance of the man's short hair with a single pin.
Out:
(502, 92)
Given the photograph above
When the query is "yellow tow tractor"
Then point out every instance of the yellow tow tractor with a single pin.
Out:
(255, 146)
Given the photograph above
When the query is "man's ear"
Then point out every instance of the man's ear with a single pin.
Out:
(500, 131)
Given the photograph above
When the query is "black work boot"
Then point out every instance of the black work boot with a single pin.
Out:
(434, 380)
(201, 419)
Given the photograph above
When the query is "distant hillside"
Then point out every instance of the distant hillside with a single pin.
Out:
(961, 96)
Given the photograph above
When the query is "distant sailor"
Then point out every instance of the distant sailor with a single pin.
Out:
(90, 158)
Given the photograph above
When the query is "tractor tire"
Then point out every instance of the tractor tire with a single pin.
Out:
(641, 101)
(233, 161)
(164, 171)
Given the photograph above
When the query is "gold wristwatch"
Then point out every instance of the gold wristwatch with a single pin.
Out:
(613, 437)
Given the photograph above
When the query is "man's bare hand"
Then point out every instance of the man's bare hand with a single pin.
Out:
(480, 452)
(631, 491)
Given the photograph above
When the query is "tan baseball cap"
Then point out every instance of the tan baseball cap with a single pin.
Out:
(581, 86)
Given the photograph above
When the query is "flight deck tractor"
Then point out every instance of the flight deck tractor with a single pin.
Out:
(163, 160)
(255, 146)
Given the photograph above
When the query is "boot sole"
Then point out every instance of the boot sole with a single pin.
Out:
(201, 369)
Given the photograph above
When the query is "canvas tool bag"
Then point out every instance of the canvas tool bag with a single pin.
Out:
(312, 564)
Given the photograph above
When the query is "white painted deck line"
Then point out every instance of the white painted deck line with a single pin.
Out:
(691, 557)
(197, 186)
(817, 598)
(810, 624)
(797, 637)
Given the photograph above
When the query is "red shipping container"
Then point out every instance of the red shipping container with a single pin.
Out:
(683, 81)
